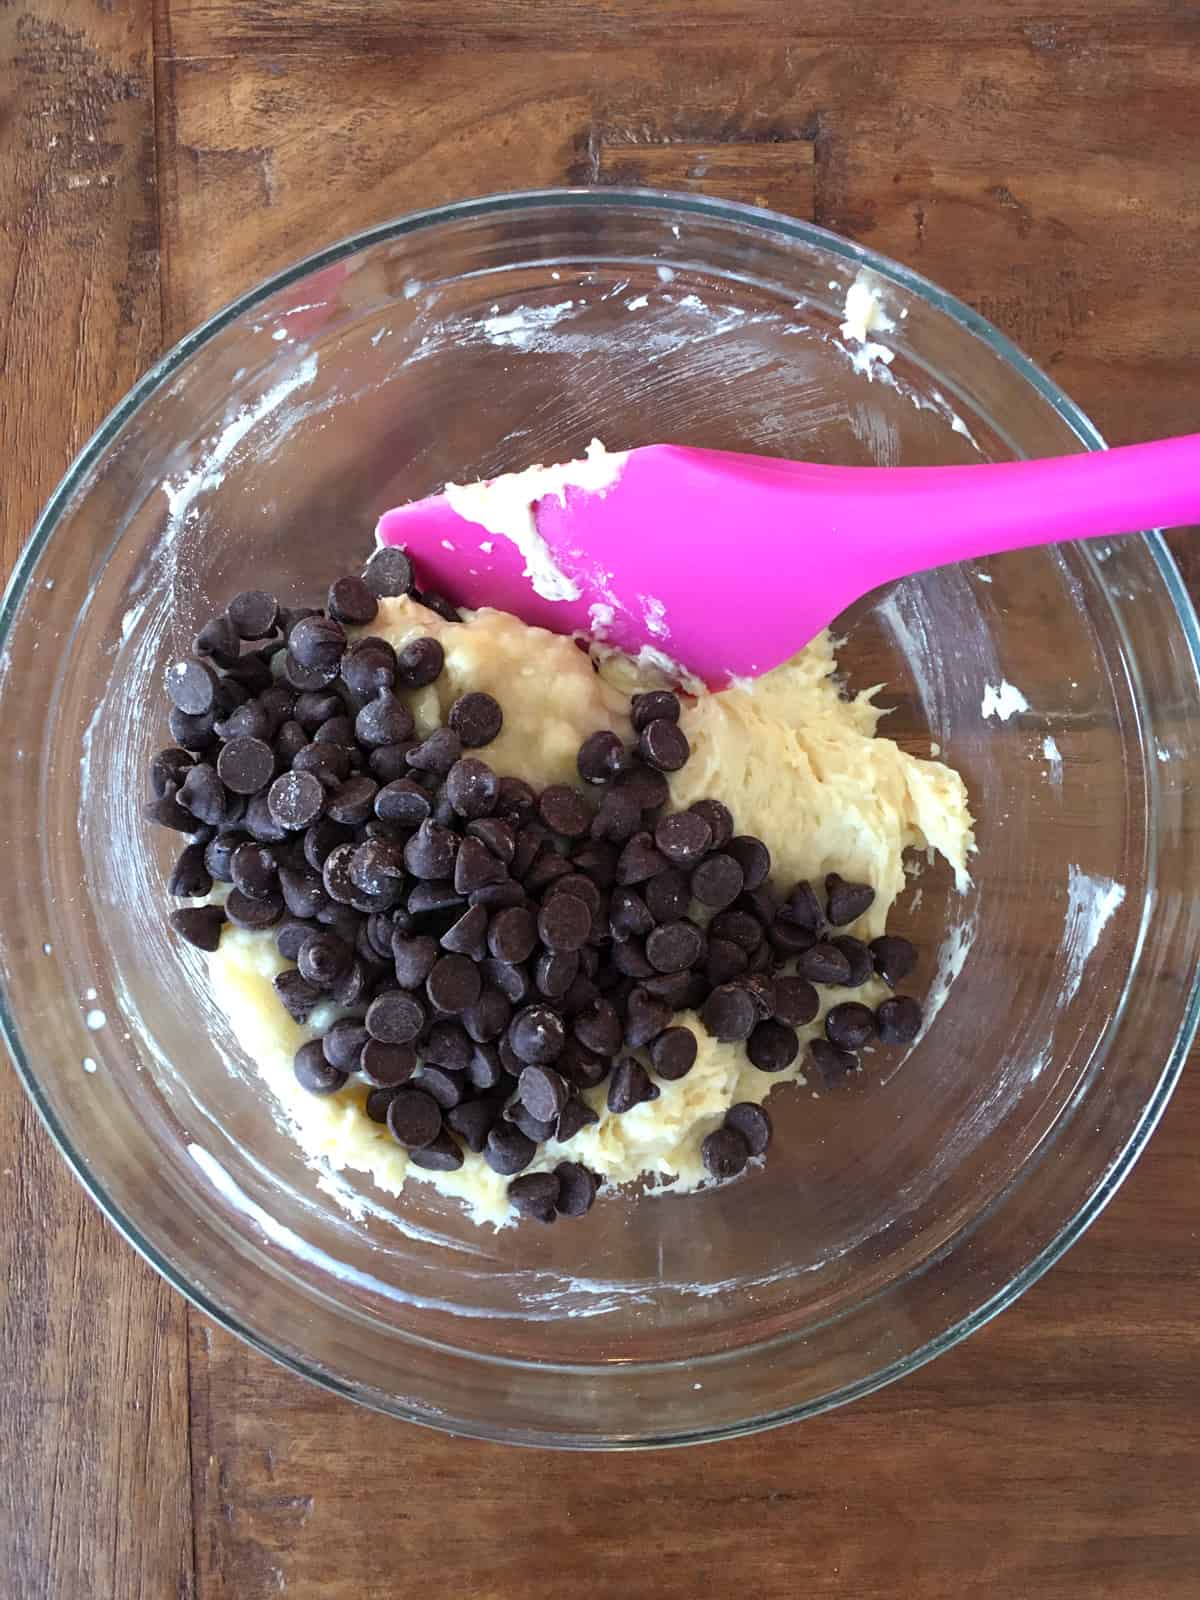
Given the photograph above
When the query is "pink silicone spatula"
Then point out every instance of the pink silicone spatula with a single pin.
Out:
(728, 564)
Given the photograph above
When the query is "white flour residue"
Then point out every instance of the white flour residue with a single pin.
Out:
(952, 958)
(600, 619)
(1091, 902)
(864, 315)
(209, 472)
(1002, 700)
(654, 614)
(638, 303)
(505, 506)
(522, 327)
(1053, 758)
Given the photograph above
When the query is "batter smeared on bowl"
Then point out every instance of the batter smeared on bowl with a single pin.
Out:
(513, 921)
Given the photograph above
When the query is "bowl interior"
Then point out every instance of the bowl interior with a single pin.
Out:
(1061, 683)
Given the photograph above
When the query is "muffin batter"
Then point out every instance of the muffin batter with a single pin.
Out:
(797, 765)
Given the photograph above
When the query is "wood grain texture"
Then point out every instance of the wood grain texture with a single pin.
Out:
(1042, 162)
(94, 1486)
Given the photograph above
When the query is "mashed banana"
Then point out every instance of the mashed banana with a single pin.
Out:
(796, 764)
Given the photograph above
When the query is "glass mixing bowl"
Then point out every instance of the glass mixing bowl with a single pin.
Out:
(892, 1218)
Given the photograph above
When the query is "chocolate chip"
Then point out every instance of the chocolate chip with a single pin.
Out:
(664, 746)
(675, 946)
(218, 854)
(437, 753)
(564, 923)
(192, 733)
(472, 1121)
(618, 816)
(753, 857)
(289, 741)
(847, 901)
(317, 644)
(260, 824)
(535, 1195)
(724, 1153)
(629, 1086)
(454, 984)
(440, 1155)
(788, 939)
(599, 861)
(832, 1064)
(246, 765)
(512, 935)
(431, 851)
(547, 866)
(673, 1053)
(753, 1123)
(511, 979)
(328, 763)
(824, 963)
(167, 771)
(303, 891)
(475, 867)
(383, 720)
(729, 1013)
(438, 604)
(667, 895)
(395, 1018)
(602, 757)
(508, 1150)
(368, 666)
(352, 601)
(199, 925)
(419, 663)
(203, 794)
(683, 837)
(376, 1104)
(415, 955)
(250, 721)
(290, 935)
(323, 959)
(898, 1019)
(447, 1085)
(645, 1018)
(719, 819)
(466, 935)
(218, 638)
(575, 1115)
(499, 836)
(653, 706)
(555, 972)
(192, 686)
(738, 927)
(343, 1044)
(802, 908)
(630, 960)
(414, 1118)
(484, 1069)
(516, 800)
(564, 810)
(190, 878)
(850, 1025)
(489, 1016)
(628, 915)
(576, 1188)
(472, 788)
(859, 957)
(253, 913)
(296, 994)
(893, 958)
(390, 761)
(316, 707)
(376, 865)
(581, 1067)
(302, 678)
(598, 1027)
(389, 572)
(313, 1072)
(253, 614)
(252, 869)
(289, 616)
(476, 718)
(796, 1001)
(772, 1046)
(386, 1065)
(403, 802)
(543, 1092)
(639, 861)
(717, 881)
(676, 988)
(537, 1035)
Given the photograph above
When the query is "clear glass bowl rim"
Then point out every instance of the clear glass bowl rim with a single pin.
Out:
(667, 203)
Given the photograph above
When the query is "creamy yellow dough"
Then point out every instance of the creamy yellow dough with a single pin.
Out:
(796, 764)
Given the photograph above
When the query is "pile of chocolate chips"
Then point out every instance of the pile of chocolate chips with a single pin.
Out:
(492, 951)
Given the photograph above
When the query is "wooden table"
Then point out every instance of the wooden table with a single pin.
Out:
(1044, 163)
